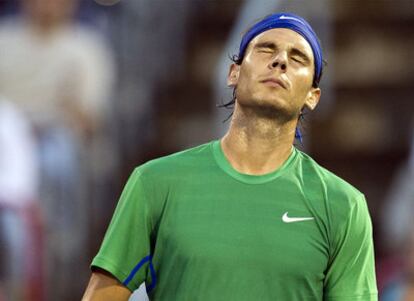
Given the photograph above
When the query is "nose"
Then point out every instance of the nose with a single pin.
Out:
(279, 60)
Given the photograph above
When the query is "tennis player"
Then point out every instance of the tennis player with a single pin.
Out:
(249, 216)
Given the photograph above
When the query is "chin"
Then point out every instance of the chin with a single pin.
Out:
(275, 107)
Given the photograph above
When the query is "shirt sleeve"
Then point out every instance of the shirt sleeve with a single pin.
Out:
(351, 272)
(125, 251)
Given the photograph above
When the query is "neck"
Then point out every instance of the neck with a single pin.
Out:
(257, 145)
(45, 29)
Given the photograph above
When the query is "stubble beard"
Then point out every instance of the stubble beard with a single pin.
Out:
(269, 109)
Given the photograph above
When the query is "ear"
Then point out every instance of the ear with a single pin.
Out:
(312, 99)
(233, 76)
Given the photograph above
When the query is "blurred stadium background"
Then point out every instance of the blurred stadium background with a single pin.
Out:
(145, 82)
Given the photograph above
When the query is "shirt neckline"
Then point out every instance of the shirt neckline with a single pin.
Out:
(225, 165)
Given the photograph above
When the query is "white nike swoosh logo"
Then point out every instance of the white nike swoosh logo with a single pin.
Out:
(289, 18)
(288, 219)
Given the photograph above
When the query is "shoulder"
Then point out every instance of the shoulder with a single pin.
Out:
(91, 39)
(12, 33)
(161, 177)
(339, 204)
(84, 43)
(326, 184)
(175, 164)
(10, 25)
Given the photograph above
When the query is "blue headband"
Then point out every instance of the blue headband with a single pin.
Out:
(290, 21)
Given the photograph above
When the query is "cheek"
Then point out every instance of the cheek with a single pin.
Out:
(304, 79)
(250, 69)
(248, 58)
(245, 82)
(245, 77)
(304, 72)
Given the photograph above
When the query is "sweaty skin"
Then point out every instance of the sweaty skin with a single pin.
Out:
(262, 130)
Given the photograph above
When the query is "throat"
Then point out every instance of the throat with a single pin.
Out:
(255, 155)
(257, 145)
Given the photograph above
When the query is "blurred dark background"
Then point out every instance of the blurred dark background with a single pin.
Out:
(155, 74)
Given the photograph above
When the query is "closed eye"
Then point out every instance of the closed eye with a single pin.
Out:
(298, 60)
(265, 50)
(265, 47)
(300, 57)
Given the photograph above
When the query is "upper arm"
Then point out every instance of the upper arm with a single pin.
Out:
(351, 272)
(126, 249)
(104, 287)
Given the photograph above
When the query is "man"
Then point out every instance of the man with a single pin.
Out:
(248, 217)
(59, 73)
(20, 248)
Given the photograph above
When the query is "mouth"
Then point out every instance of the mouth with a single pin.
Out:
(273, 82)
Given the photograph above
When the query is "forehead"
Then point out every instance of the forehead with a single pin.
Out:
(284, 38)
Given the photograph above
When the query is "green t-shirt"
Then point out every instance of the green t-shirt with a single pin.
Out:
(193, 228)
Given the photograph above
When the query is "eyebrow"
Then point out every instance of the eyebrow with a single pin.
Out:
(293, 50)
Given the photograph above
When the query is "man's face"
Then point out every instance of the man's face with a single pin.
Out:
(49, 12)
(276, 74)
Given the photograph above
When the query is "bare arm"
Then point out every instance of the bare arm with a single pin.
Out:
(104, 287)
